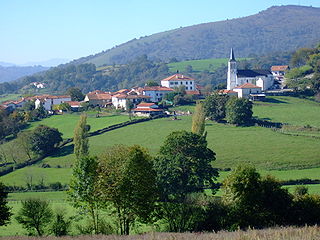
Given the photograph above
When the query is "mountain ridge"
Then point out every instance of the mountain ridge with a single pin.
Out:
(278, 28)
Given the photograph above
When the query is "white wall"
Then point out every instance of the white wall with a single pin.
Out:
(190, 86)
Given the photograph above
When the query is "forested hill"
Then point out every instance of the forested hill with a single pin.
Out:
(277, 29)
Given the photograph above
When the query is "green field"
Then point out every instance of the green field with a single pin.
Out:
(291, 110)
(67, 122)
(7, 97)
(199, 65)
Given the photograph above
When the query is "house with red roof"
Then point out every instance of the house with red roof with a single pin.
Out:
(48, 101)
(120, 100)
(178, 80)
(247, 89)
(279, 71)
(98, 98)
(147, 109)
(156, 93)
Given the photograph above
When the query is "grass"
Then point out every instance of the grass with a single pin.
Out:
(291, 110)
(199, 65)
(67, 122)
(280, 233)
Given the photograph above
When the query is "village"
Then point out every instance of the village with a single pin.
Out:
(143, 101)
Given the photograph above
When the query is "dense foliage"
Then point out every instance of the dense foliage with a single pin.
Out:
(239, 111)
(5, 212)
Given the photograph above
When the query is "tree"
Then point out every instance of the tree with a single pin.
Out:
(198, 119)
(5, 212)
(151, 83)
(76, 94)
(24, 142)
(83, 192)
(215, 106)
(189, 69)
(183, 165)
(255, 201)
(34, 215)
(239, 111)
(44, 140)
(80, 137)
(127, 182)
(60, 226)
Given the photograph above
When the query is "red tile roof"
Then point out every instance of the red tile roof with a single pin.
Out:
(147, 110)
(143, 104)
(247, 85)
(100, 96)
(157, 88)
(179, 77)
(73, 103)
(280, 68)
(225, 91)
(194, 92)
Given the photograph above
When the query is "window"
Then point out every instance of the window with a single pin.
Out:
(190, 88)
(181, 83)
(186, 88)
(190, 82)
(157, 94)
(187, 83)
(176, 83)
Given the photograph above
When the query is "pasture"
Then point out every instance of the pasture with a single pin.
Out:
(199, 65)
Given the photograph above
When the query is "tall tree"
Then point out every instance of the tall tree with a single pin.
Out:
(127, 182)
(83, 192)
(5, 212)
(198, 119)
(183, 167)
(239, 111)
(80, 138)
(215, 106)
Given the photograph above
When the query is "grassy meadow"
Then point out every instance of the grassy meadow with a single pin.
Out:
(272, 153)
(199, 65)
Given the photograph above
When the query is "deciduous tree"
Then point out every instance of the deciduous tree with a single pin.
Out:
(239, 111)
(127, 182)
(198, 119)
(35, 215)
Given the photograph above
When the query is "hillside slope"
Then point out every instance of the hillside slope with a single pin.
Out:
(281, 28)
(12, 73)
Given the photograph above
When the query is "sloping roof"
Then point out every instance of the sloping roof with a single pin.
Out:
(147, 110)
(279, 68)
(157, 88)
(143, 104)
(247, 85)
(73, 103)
(226, 91)
(194, 92)
(232, 56)
(99, 96)
(122, 96)
(178, 77)
(253, 73)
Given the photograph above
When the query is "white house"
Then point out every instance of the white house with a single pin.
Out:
(245, 90)
(156, 93)
(279, 71)
(177, 80)
(98, 98)
(147, 109)
(260, 77)
(48, 101)
(120, 100)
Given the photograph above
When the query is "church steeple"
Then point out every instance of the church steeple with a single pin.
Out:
(232, 55)
(232, 72)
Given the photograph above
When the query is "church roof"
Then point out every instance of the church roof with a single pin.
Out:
(253, 73)
(232, 55)
(247, 85)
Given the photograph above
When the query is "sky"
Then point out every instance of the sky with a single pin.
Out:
(39, 30)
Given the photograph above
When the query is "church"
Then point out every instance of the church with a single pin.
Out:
(257, 77)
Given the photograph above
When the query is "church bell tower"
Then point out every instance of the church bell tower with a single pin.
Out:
(232, 72)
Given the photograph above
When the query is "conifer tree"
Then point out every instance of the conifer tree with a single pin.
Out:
(80, 139)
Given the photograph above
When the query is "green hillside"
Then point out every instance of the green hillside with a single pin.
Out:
(266, 149)
(293, 26)
(200, 65)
